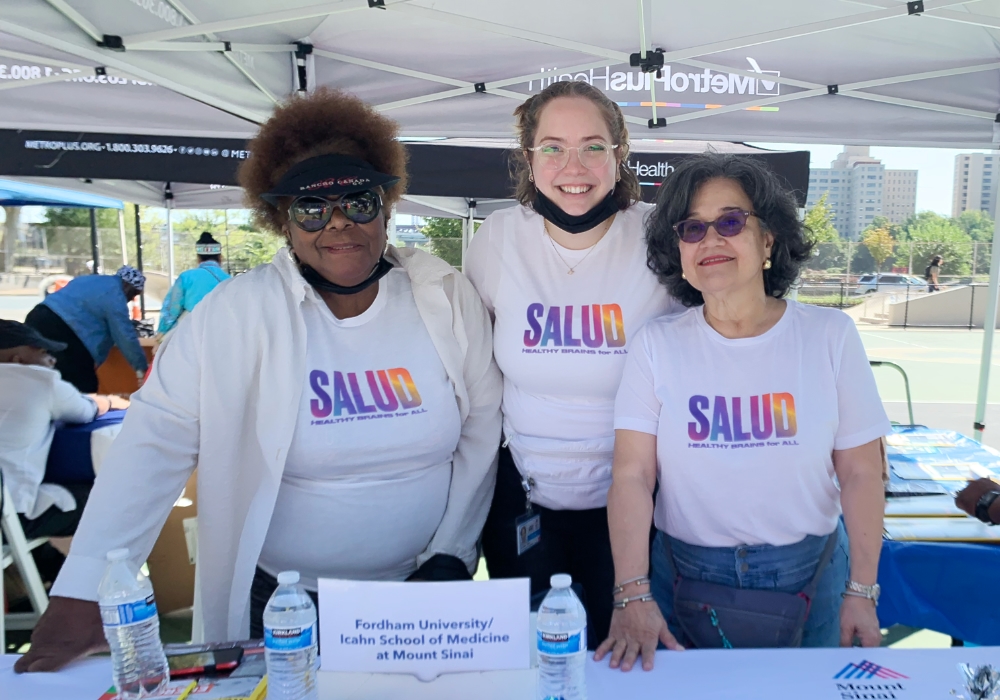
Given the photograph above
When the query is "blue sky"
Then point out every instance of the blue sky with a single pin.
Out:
(935, 165)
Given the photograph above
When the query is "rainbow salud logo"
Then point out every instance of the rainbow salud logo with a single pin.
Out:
(867, 669)
(575, 329)
(377, 393)
(756, 421)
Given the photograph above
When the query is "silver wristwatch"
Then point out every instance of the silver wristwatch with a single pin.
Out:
(859, 590)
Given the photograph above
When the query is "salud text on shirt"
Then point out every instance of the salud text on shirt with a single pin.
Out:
(364, 395)
(591, 329)
(721, 422)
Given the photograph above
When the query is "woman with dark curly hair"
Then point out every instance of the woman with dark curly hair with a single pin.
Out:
(341, 403)
(565, 277)
(760, 420)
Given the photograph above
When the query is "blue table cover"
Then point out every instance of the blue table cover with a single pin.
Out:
(69, 456)
(951, 588)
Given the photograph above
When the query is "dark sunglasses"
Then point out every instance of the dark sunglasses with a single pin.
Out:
(729, 224)
(313, 213)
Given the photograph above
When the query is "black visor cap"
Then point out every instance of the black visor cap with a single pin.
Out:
(330, 175)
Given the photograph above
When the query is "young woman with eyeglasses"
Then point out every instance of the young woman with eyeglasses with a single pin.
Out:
(564, 275)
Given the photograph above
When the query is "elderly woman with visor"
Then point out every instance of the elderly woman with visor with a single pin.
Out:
(341, 403)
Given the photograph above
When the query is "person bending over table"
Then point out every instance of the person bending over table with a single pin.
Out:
(32, 398)
(341, 403)
(90, 315)
(748, 409)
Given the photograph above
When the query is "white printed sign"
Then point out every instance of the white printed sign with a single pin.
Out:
(424, 629)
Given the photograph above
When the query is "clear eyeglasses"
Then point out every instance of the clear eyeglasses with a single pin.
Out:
(555, 156)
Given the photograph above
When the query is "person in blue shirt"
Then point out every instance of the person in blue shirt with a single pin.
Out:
(90, 315)
(192, 285)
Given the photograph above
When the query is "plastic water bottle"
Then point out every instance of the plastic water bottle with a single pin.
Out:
(290, 641)
(128, 611)
(562, 643)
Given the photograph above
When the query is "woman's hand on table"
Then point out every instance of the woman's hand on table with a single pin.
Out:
(858, 619)
(635, 631)
(68, 630)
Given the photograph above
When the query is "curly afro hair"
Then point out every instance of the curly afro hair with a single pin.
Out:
(774, 205)
(324, 122)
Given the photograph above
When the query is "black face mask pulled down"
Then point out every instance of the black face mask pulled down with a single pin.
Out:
(321, 283)
(598, 214)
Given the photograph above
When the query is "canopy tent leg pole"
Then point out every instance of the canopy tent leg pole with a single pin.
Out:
(10, 237)
(468, 229)
(989, 329)
(95, 245)
(121, 231)
(138, 259)
(229, 265)
(170, 237)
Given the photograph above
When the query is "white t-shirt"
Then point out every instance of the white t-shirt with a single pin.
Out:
(561, 341)
(746, 428)
(368, 471)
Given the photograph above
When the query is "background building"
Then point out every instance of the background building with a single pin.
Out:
(899, 196)
(974, 186)
(859, 188)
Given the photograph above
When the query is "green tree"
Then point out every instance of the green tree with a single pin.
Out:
(933, 234)
(828, 246)
(67, 233)
(977, 224)
(819, 224)
(446, 238)
(879, 243)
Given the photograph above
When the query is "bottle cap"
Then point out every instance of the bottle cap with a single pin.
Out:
(561, 581)
(286, 578)
(118, 554)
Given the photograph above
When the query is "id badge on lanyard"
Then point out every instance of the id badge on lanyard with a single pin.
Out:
(528, 527)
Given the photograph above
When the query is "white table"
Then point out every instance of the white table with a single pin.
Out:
(791, 674)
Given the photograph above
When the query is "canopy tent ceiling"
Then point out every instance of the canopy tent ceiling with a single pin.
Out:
(25, 194)
(866, 72)
(882, 72)
(202, 172)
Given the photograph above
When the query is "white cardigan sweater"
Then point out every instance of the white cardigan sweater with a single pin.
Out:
(224, 395)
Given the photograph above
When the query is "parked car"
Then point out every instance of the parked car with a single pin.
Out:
(889, 282)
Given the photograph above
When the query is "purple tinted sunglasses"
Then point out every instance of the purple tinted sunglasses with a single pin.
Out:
(729, 224)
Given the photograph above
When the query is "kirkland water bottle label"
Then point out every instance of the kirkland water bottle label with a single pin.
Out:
(128, 613)
(288, 638)
(561, 643)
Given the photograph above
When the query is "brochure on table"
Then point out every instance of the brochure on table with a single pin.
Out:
(924, 460)
(424, 629)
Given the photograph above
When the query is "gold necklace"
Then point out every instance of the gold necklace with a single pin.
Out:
(569, 270)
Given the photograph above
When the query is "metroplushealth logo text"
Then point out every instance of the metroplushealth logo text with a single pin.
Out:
(672, 79)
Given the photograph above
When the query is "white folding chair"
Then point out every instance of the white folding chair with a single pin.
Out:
(17, 550)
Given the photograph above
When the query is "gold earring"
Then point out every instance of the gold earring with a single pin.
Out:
(767, 264)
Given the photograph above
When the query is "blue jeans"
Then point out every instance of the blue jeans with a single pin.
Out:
(788, 568)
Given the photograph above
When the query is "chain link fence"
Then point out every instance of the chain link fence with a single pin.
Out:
(969, 260)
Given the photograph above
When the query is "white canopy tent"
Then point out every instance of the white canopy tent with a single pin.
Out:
(869, 72)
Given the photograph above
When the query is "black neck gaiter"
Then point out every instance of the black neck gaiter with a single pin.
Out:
(317, 281)
(598, 214)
